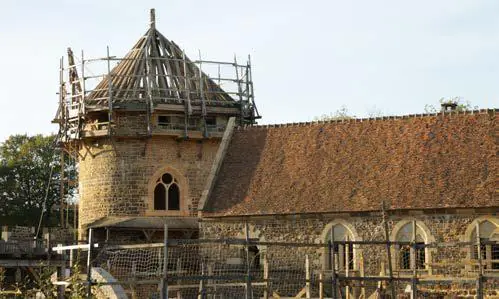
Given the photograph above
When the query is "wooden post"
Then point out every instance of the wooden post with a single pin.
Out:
(333, 264)
(388, 249)
(362, 274)
(60, 277)
(248, 264)
(414, 261)
(89, 263)
(202, 294)
(347, 267)
(479, 282)
(179, 271)
(266, 290)
(164, 284)
(321, 285)
(307, 277)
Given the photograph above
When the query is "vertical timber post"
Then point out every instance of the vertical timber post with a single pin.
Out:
(307, 277)
(248, 263)
(479, 281)
(266, 277)
(164, 285)
(388, 250)
(89, 263)
(110, 93)
(332, 263)
(60, 275)
(414, 286)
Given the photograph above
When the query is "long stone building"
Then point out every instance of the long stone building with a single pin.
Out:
(160, 141)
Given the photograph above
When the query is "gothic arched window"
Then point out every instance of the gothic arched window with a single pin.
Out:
(404, 253)
(343, 253)
(487, 230)
(166, 193)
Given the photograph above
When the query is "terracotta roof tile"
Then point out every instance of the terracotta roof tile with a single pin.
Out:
(420, 162)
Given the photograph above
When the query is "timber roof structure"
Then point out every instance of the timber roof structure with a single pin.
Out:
(445, 160)
(156, 68)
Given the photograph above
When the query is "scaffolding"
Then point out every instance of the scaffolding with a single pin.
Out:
(155, 75)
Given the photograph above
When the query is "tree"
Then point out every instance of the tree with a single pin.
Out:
(27, 164)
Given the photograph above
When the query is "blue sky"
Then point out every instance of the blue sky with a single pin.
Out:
(309, 57)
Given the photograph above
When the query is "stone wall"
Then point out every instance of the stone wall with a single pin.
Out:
(442, 262)
(114, 174)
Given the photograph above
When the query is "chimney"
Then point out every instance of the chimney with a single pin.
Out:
(448, 106)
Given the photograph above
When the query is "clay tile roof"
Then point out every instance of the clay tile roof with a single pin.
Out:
(420, 162)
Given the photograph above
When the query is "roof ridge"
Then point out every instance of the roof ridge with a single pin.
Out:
(492, 111)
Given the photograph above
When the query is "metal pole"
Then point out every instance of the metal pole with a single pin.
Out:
(332, 263)
(89, 263)
(388, 251)
(248, 264)
(164, 288)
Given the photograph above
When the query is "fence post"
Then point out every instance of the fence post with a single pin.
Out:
(321, 286)
(414, 261)
(266, 277)
(332, 264)
(479, 282)
(248, 264)
(89, 263)
(60, 275)
(307, 277)
(202, 292)
(164, 285)
(388, 250)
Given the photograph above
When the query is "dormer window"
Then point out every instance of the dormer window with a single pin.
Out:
(166, 194)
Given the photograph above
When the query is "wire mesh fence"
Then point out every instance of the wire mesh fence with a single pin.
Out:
(249, 268)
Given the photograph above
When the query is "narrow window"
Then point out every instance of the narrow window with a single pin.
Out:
(173, 197)
(159, 197)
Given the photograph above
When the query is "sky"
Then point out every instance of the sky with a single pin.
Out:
(309, 58)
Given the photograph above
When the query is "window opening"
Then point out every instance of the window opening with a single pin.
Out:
(404, 253)
(343, 252)
(166, 193)
(489, 250)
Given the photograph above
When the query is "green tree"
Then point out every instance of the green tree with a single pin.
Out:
(27, 164)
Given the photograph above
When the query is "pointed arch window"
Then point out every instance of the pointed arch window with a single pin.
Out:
(404, 252)
(344, 253)
(489, 248)
(166, 193)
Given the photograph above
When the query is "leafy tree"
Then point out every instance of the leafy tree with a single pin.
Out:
(27, 164)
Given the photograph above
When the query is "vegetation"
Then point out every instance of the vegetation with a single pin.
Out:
(460, 105)
(343, 112)
(339, 114)
(29, 180)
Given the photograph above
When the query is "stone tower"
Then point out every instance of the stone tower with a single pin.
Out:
(146, 132)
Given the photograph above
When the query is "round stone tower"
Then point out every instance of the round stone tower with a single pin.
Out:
(146, 133)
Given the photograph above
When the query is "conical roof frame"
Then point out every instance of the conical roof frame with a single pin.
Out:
(157, 65)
